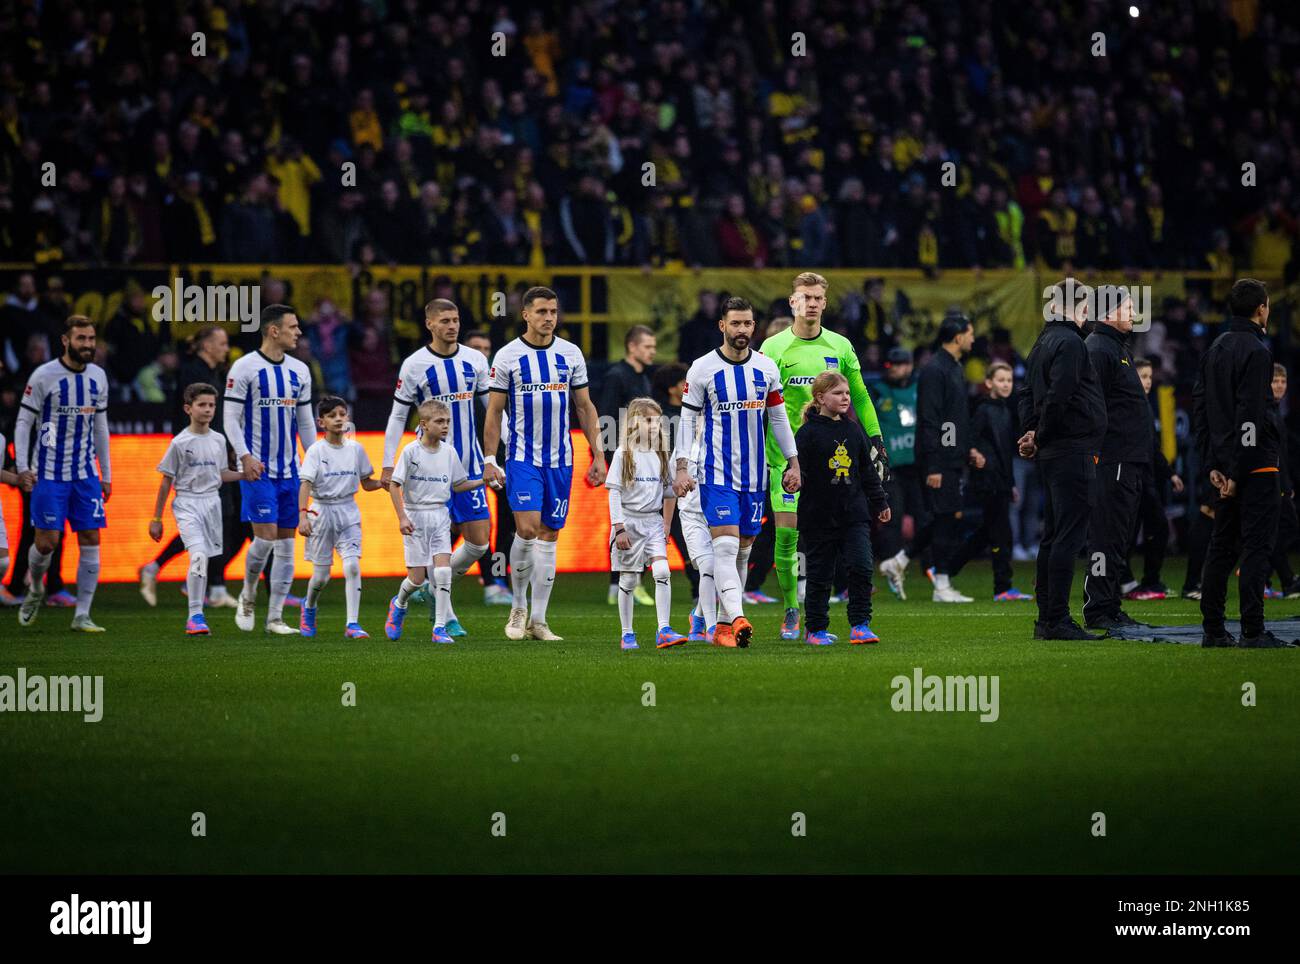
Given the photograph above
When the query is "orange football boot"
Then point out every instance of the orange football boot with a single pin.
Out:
(742, 630)
(723, 636)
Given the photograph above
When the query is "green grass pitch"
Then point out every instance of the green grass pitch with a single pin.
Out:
(251, 731)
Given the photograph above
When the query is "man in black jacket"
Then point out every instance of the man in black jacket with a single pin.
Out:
(1124, 460)
(1240, 450)
(1065, 420)
(944, 446)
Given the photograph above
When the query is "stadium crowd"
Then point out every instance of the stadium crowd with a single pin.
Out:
(780, 134)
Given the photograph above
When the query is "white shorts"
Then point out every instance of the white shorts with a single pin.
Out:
(334, 525)
(432, 535)
(199, 519)
(4, 534)
(699, 541)
(647, 535)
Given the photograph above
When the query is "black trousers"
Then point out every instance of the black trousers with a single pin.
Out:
(18, 575)
(943, 531)
(1069, 494)
(1288, 527)
(1110, 531)
(1244, 528)
(994, 533)
(823, 548)
(905, 498)
(1198, 541)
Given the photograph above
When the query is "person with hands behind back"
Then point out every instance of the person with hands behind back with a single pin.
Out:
(838, 477)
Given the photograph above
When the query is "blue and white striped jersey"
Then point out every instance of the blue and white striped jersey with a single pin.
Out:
(455, 379)
(64, 403)
(270, 394)
(537, 383)
(733, 399)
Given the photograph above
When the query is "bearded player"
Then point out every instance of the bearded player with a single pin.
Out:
(801, 353)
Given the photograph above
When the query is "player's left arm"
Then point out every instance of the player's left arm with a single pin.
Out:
(101, 451)
(865, 409)
(589, 419)
(306, 423)
(670, 505)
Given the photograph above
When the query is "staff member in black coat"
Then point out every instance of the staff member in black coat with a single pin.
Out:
(1240, 450)
(1124, 462)
(1062, 410)
(944, 446)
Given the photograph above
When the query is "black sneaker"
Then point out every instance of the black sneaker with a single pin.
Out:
(1220, 640)
(1040, 628)
(1265, 640)
(1120, 620)
(1292, 590)
(1068, 629)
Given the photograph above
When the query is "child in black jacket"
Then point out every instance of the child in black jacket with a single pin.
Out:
(845, 493)
(995, 432)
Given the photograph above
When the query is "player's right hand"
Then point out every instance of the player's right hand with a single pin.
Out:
(386, 477)
(492, 475)
(623, 541)
(934, 480)
(304, 527)
(26, 480)
(155, 531)
(253, 469)
(406, 527)
(1027, 445)
(682, 484)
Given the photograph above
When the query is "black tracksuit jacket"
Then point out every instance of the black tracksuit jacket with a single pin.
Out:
(1129, 430)
(994, 427)
(1232, 395)
(941, 398)
(1061, 400)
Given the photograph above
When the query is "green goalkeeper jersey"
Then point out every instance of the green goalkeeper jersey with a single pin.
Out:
(799, 361)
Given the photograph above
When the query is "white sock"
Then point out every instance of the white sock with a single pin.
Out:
(727, 577)
(521, 569)
(281, 578)
(320, 577)
(901, 558)
(39, 564)
(442, 594)
(663, 591)
(218, 592)
(627, 583)
(404, 592)
(196, 582)
(151, 568)
(941, 580)
(88, 578)
(543, 577)
(352, 587)
(708, 606)
(466, 554)
(742, 565)
(258, 553)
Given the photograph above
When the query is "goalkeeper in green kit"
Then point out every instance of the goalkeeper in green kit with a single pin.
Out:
(802, 352)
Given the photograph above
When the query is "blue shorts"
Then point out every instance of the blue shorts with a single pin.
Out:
(534, 489)
(56, 503)
(727, 507)
(471, 506)
(270, 501)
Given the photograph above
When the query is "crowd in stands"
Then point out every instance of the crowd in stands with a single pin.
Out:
(874, 133)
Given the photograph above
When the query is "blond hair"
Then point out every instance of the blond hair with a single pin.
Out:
(431, 407)
(809, 278)
(637, 409)
(822, 384)
(998, 366)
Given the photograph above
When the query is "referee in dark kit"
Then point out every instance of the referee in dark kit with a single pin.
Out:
(1062, 409)
(1239, 447)
(1123, 463)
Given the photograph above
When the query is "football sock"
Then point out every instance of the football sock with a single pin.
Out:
(320, 576)
(196, 582)
(521, 570)
(258, 553)
(442, 594)
(543, 577)
(466, 554)
(787, 549)
(727, 577)
(627, 583)
(39, 564)
(405, 590)
(742, 567)
(663, 591)
(281, 578)
(352, 587)
(88, 578)
(708, 593)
